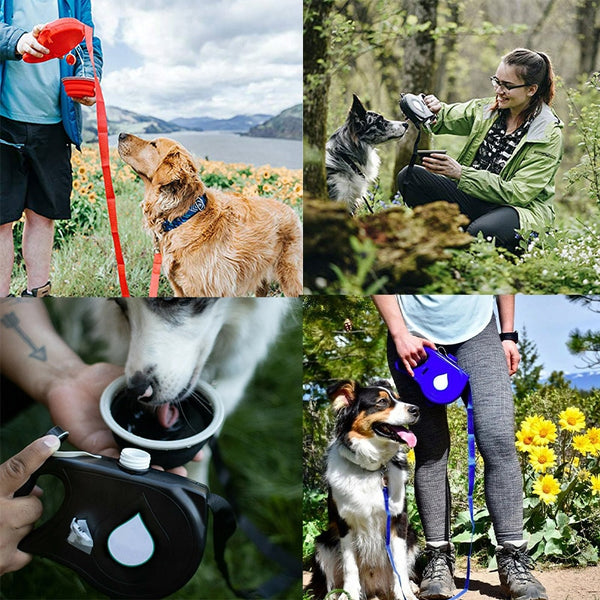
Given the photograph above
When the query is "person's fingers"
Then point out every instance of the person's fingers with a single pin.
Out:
(15, 472)
(25, 512)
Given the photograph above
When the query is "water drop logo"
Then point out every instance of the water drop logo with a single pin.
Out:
(131, 544)
(440, 382)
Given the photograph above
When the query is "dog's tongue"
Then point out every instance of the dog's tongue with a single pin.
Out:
(167, 415)
(408, 436)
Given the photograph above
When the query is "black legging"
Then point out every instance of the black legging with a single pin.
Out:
(499, 222)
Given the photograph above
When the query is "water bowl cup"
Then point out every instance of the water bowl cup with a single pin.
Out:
(79, 87)
(134, 425)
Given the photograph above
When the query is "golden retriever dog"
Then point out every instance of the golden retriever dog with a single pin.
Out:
(213, 242)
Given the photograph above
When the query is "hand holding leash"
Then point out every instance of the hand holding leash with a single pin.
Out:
(19, 514)
(411, 350)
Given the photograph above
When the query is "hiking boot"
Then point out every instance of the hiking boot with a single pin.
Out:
(514, 569)
(38, 292)
(438, 574)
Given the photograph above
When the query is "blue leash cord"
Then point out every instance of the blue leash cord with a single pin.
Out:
(388, 531)
(471, 464)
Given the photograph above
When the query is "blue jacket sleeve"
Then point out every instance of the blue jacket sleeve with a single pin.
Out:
(9, 36)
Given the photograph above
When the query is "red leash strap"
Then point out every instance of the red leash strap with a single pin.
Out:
(105, 161)
(155, 275)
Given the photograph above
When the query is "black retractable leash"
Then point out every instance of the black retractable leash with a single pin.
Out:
(129, 530)
(416, 110)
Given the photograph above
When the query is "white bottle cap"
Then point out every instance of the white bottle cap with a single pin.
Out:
(134, 459)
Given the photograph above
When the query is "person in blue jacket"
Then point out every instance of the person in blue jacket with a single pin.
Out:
(38, 124)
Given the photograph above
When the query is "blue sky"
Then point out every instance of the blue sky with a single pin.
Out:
(186, 58)
(548, 320)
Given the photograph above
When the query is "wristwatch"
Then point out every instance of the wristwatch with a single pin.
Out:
(513, 336)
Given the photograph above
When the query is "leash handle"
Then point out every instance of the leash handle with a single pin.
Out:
(105, 162)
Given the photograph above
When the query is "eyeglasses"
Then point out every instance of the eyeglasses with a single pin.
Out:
(496, 83)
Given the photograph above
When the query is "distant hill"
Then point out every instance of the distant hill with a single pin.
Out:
(584, 380)
(239, 123)
(286, 125)
(120, 120)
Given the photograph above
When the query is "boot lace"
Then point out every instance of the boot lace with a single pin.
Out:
(439, 563)
(518, 564)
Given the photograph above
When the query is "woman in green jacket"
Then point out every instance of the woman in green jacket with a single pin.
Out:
(503, 179)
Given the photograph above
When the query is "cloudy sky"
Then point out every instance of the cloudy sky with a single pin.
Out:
(549, 320)
(186, 58)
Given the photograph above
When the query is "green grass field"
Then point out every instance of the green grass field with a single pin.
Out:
(261, 445)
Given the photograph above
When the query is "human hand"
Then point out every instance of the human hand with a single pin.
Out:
(411, 350)
(28, 43)
(432, 103)
(74, 405)
(513, 358)
(20, 514)
(442, 164)
(86, 101)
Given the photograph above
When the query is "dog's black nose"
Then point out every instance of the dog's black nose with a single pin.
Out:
(140, 386)
(123, 136)
(413, 410)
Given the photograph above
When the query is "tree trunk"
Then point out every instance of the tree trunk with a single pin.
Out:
(417, 65)
(588, 35)
(316, 86)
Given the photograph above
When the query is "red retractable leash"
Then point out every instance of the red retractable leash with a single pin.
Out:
(60, 37)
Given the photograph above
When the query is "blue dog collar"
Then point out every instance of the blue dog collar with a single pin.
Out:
(198, 206)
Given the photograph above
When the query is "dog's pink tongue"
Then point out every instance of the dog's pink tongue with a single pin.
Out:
(409, 437)
(167, 415)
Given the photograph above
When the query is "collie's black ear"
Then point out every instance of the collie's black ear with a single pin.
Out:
(342, 394)
(357, 108)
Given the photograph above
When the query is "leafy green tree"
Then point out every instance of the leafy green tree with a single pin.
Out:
(586, 343)
(527, 378)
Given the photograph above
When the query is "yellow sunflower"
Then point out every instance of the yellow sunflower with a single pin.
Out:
(525, 439)
(542, 458)
(595, 484)
(582, 444)
(547, 488)
(545, 432)
(572, 419)
(593, 434)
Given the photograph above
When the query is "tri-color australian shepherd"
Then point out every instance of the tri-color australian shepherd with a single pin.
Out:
(351, 160)
(368, 453)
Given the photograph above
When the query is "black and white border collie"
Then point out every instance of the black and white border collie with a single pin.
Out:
(369, 450)
(351, 160)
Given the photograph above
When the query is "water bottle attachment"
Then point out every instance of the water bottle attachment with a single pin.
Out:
(130, 531)
(441, 380)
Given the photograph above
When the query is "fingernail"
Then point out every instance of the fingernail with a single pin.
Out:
(51, 441)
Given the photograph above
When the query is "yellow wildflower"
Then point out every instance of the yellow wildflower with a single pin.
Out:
(547, 488)
(593, 434)
(572, 419)
(582, 444)
(542, 458)
(545, 432)
(595, 484)
(525, 439)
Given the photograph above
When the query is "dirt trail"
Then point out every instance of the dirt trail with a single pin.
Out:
(561, 584)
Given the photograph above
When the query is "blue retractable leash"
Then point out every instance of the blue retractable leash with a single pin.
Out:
(442, 381)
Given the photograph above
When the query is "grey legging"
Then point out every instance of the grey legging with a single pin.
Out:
(482, 357)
